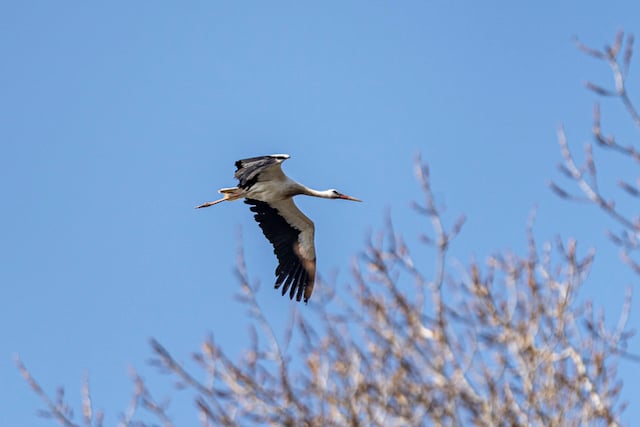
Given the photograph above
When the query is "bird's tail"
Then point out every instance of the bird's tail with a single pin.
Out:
(231, 190)
(230, 194)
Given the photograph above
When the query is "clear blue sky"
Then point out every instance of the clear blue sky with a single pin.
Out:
(119, 117)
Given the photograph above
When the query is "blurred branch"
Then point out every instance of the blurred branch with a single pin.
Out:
(56, 409)
(618, 58)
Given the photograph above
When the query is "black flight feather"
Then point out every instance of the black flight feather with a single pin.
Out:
(290, 273)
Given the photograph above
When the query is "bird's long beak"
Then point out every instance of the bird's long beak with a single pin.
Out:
(345, 197)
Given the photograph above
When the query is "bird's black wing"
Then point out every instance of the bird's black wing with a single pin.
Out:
(249, 170)
(291, 234)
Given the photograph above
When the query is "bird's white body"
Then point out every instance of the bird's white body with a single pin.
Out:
(273, 189)
(270, 192)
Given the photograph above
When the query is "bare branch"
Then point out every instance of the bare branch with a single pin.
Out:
(57, 410)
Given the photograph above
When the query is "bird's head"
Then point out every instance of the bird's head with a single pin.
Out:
(335, 194)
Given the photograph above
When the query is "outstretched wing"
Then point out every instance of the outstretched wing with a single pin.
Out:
(263, 168)
(291, 234)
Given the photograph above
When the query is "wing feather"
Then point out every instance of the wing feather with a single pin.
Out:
(263, 168)
(291, 234)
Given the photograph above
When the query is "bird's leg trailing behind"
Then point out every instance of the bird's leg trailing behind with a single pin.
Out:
(230, 194)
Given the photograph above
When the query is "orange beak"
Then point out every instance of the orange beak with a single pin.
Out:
(345, 197)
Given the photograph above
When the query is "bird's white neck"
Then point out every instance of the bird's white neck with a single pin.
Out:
(325, 194)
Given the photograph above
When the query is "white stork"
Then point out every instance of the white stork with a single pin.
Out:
(270, 193)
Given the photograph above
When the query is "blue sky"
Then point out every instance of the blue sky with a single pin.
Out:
(119, 117)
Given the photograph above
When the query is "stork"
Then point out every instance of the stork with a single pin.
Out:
(270, 192)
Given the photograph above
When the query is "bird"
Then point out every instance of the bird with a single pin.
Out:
(269, 193)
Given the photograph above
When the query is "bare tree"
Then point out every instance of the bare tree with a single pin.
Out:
(504, 342)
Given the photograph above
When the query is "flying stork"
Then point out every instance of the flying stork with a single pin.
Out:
(270, 192)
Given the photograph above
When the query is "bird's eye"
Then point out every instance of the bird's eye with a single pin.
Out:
(336, 192)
